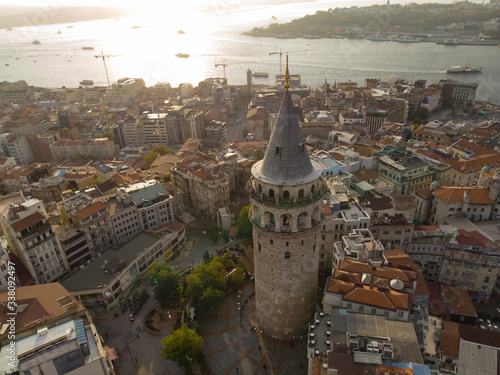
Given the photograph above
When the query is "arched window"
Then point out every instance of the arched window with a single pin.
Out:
(277, 150)
(301, 193)
(286, 194)
(312, 189)
(271, 242)
(287, 244)
(260, 248)
(260, 188)
(302, 242)
(271, 193)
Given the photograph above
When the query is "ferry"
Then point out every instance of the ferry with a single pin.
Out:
(407, 39)
(37, 42)
(378, 38)
(182, 55)
(464, 69)
(181, 32)
(88, 48)
(86, 82)
(260, 74)
(449, 42)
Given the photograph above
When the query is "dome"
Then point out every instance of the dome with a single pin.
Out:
(397, 284)
(486, 168)
(435, 183)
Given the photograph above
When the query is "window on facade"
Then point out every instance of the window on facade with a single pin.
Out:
(271, 193)
(287, 255)
(286, 194)
(349, 305)
(361, 308)
(287, 244)
(301, 193)
(374, 311)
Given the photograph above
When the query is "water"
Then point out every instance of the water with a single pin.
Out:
(215, 38)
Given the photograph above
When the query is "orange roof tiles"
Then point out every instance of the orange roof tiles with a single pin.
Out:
(457, 301)
(449, 339)
(92, 209)
(474, 238)
(385, 272)
(27, 221)
(454, 194)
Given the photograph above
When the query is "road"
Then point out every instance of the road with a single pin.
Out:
(236, 125)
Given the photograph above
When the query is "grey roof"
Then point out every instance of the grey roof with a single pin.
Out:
(286, 161)
(148, 193)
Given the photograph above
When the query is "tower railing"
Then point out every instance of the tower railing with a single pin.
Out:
(295, 202)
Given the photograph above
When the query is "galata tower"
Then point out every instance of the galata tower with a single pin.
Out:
(286, 191)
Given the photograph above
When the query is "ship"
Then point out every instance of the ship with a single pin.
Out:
(407, 39)
(86, 82)
(378, 38)
(181, 32)
(88, 48)
(182, 55)
(449, 42)
(37, 42)
(464, 69)
(260, 74)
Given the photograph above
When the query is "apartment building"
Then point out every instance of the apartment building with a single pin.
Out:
(124, 92)
(32, 239)
(101, 148)
(427, 251)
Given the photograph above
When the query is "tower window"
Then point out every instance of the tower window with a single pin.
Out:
(271, 242)
(312, 189)
(271, 193)
(260, 248)
(260, 188)
(301, 193)
(286, 194)
(302, 148)
(287, 244)
(302, 242)
(287, 255)
(277, 150)
(314, 248)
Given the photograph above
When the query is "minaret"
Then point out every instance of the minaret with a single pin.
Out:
(286, 191)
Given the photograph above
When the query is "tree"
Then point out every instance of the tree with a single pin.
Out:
(108, 135)
(244, 223)
(182, 346)
(238, 276)
(149, 159)
(64, 132)
(162, 150)
(213, 232)
(244, 133)
(421, 114)
(165, 282)
(207, 283)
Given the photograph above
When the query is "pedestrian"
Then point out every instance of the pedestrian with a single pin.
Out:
(135, 359)
(106, 336)
(138, 335)
(236, 369)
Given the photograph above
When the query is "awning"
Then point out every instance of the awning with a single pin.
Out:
(112, 353)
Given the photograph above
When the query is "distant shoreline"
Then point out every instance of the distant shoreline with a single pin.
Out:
(40, 16)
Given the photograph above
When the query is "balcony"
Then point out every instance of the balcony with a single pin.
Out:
(297, 202)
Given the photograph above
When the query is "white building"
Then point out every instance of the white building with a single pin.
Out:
(124, 91)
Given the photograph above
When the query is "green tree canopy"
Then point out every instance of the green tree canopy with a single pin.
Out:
(207, 283)
(64, 132)
(213, 232)
(165, 282)
(181, 346)
(108, 135)
(149, 159)
(244, 224)
(238, 276)
(162, 150)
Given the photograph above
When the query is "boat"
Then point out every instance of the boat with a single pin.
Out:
(59, 31)
(182, 55)
(449, 42)
(181, 32)
(88, 48)
(378, 38)
(69, 27)
(37, 42)
(464, 69)
(7, 64)
(138, 27)
(260, 74)
(86, 82)
(407, 39)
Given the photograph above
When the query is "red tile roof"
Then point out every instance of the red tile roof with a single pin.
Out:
(449, 339)
(457, 301)
(27, 221)
(92, 209)
(454, 194)
(474, 238)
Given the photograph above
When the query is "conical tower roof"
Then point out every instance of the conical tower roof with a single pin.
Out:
(286, 161)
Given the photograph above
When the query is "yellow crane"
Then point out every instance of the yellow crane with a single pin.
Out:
(223, 67)
(103, 57)
(281, 53)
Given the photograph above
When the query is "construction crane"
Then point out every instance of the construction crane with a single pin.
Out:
(281, 53)
(223, 68)
(103, 56)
